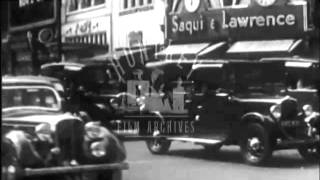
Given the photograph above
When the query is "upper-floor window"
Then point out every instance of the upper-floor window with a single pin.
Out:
(125, 4)
(141, 2)
(74, 5)
(98, 2)
(131, 4)
(85, 3)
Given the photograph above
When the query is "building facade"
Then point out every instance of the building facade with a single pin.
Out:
(138, 23)
(32, 27)
(86, 28)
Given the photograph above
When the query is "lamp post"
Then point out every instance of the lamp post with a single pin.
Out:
(59, 44)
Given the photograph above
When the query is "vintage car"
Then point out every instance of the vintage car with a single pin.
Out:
(95, 87)
(187, 105)
(240, 102)
(40, 139)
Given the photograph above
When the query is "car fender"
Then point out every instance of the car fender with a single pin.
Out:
(26, 154)
(255, 117)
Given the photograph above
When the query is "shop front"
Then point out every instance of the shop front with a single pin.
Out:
(204, 32)
(30, 33)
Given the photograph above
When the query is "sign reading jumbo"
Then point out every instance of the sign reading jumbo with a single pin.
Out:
(197, 21)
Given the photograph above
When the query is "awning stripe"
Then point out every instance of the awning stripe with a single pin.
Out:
(95, 39)
(212, 48)
(182, 49)
(284, 45)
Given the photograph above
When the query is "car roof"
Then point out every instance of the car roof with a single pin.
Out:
(28, 79)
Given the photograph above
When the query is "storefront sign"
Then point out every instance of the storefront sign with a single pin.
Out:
(248, 23)
(86, 27)
(31, 12)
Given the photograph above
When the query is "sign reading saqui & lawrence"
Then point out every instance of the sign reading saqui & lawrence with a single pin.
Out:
(250, 22)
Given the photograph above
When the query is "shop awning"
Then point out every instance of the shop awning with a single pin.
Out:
(178, 51)
(264, 46)
(189, 51)
(117, 54)
(76, 46)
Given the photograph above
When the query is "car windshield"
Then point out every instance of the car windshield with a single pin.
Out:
(268, 77)
(30, 97)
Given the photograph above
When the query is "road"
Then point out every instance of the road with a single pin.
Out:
(186, 161)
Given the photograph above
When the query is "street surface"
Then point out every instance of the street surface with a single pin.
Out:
(186, 161)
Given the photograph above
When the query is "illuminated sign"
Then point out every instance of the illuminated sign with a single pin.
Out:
(248, 23)
(25, 12)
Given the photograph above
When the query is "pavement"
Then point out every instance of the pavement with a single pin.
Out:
(186, 161)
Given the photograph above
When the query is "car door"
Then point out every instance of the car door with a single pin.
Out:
(213, 112)
(212, 104)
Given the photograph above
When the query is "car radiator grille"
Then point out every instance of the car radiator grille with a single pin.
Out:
(289, 109)
(69, 137)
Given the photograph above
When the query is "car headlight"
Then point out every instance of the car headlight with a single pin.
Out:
(98, 149)
(141, 102)
(275, 110)
(307, 109)
(93, 130)
(114, 103)
(43, 132)
(265, 3)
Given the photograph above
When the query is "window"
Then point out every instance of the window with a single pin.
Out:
(125, 4)
(133, 3)
(141, 2)
(98, 2)
(131, 6)
(85, 3)
(73, 5)
(29, 97)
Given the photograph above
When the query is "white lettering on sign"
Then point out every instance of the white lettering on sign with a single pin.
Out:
(23, 3)
(189, 26)
(86, 27)
(192, 26)
(257, 21)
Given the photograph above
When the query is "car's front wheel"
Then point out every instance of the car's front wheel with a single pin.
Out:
(158, 146)
(255, 144)
(310, 153)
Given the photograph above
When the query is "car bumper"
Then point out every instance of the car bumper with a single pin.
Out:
(9, 174)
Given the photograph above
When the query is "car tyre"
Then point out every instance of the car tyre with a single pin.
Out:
(158, 146)
(255, 144)
(311, 154)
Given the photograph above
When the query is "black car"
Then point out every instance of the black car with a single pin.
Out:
(41, 139)
(97, 88)
(240, 102)
(211, 103)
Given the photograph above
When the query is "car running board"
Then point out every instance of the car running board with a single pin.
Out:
(196, 140)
